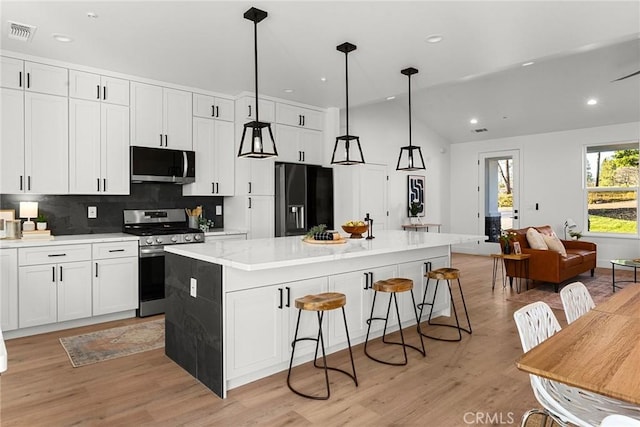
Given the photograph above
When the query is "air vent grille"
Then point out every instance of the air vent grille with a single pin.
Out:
(479, 130)
(22, 32)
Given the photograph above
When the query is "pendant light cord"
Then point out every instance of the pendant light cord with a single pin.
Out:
(409, 110)
(255, 53)
(346, 79)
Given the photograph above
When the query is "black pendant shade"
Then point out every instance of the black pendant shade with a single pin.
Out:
(347, 150)
(410, 158)
(255, 143)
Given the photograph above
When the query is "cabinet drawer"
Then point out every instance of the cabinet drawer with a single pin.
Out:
(115, 250)
(54, 254)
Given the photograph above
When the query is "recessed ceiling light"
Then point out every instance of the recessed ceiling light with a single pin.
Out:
(592, 101)
(473, 121)
(323, 79)
(390, 98)
(62, 38)
(526, 64)
(92, 15)
(434, 38)
(288, 90)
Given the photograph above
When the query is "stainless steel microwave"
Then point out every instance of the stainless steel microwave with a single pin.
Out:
(162, 165)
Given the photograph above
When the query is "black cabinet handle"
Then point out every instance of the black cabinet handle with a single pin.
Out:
(98, 91)
(53, 274)
(166, 140)
(217, 188)
(280, 293)
(288, 296)
(19, 78)
(55, 255)
(370, 280)
(104, 93)
(366, 280)
(61, 273)
(217, 111)
(213, 111)
(104, 184)
(28, 80)
(303, 120)
(160, 140)
(20, 182)
(29, 183)
(249, 187)
(96, 269)
(303, 156)
(249, 202)
(299, 120)
(116, 250)
(249, 111)
(98, 184)
(213, 188)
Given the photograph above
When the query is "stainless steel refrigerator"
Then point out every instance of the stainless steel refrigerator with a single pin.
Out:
(304, 198)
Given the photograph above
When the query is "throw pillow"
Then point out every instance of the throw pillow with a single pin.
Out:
(554, 244)
(535, 240)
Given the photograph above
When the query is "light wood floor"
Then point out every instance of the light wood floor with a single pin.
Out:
(474, 382)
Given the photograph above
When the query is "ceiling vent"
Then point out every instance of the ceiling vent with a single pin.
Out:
(479, 130)
(21, 32)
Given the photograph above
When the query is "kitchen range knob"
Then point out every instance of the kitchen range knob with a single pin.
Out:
(174, 238)
(159, 239)
(149, 240)
(187, 238)
(197, 237)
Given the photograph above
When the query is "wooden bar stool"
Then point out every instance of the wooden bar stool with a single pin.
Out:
(447, 274)
(321, 303)
(393, 287)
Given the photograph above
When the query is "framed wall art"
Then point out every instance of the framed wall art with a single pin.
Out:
(416, 201)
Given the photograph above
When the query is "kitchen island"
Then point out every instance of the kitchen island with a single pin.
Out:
(231, 315)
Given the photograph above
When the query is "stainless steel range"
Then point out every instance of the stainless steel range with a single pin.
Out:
(156, 229)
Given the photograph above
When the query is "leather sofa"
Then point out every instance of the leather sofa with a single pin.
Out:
(550, 266)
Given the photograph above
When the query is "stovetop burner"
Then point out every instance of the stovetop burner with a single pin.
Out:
(152, 225)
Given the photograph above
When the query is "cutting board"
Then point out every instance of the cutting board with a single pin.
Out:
(325, 242)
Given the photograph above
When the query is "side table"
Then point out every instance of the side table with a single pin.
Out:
(633, 263)
(521, 268)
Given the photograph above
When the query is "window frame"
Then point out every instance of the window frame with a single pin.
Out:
(586, 190)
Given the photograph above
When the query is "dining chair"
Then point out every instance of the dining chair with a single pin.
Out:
(576, 301)
(564, 404)
(619, 421)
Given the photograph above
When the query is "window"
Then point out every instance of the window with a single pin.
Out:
(612, 188)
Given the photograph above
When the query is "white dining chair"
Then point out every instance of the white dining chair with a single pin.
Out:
(576, 300)
(619, 421)
(3, 354)
(536, 322)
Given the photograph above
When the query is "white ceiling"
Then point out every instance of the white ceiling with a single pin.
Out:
(578, 48)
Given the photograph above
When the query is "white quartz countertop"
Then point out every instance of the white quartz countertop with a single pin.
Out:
(69, 240)
(263, 254)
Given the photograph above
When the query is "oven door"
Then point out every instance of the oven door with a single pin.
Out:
(151, 281)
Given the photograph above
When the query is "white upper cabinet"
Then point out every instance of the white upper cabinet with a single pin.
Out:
(160, 117)
(33, 77)
(46, 144)
(12, 176)
(297, 116)
(212, 107)
(298, 145)
(94, 87)
(246, 110)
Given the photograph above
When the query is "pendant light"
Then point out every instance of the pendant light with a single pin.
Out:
(408, 158)
(347, 154)
(260, 144)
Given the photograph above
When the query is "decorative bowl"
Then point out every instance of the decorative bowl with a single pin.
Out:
(355, 230)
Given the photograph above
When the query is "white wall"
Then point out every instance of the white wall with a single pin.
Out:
(551, 170)
(383, 128)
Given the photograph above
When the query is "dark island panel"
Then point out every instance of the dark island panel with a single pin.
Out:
(193, 337)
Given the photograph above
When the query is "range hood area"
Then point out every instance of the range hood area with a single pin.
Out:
(162, 165)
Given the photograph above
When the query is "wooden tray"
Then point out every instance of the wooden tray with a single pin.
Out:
(325, 242)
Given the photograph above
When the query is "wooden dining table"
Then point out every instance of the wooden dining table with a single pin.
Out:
(599, 352)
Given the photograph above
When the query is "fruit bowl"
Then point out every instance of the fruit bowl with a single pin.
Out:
(355, 230)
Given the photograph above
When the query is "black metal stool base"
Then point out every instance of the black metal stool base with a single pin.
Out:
(384, 332)
(457, 326)
(320, 343)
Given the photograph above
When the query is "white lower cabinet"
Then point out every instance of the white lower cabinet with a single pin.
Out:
(8, 289)
(262, 323)
(115, 277)
(252, 213)
(54, 293)
(358, 288)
